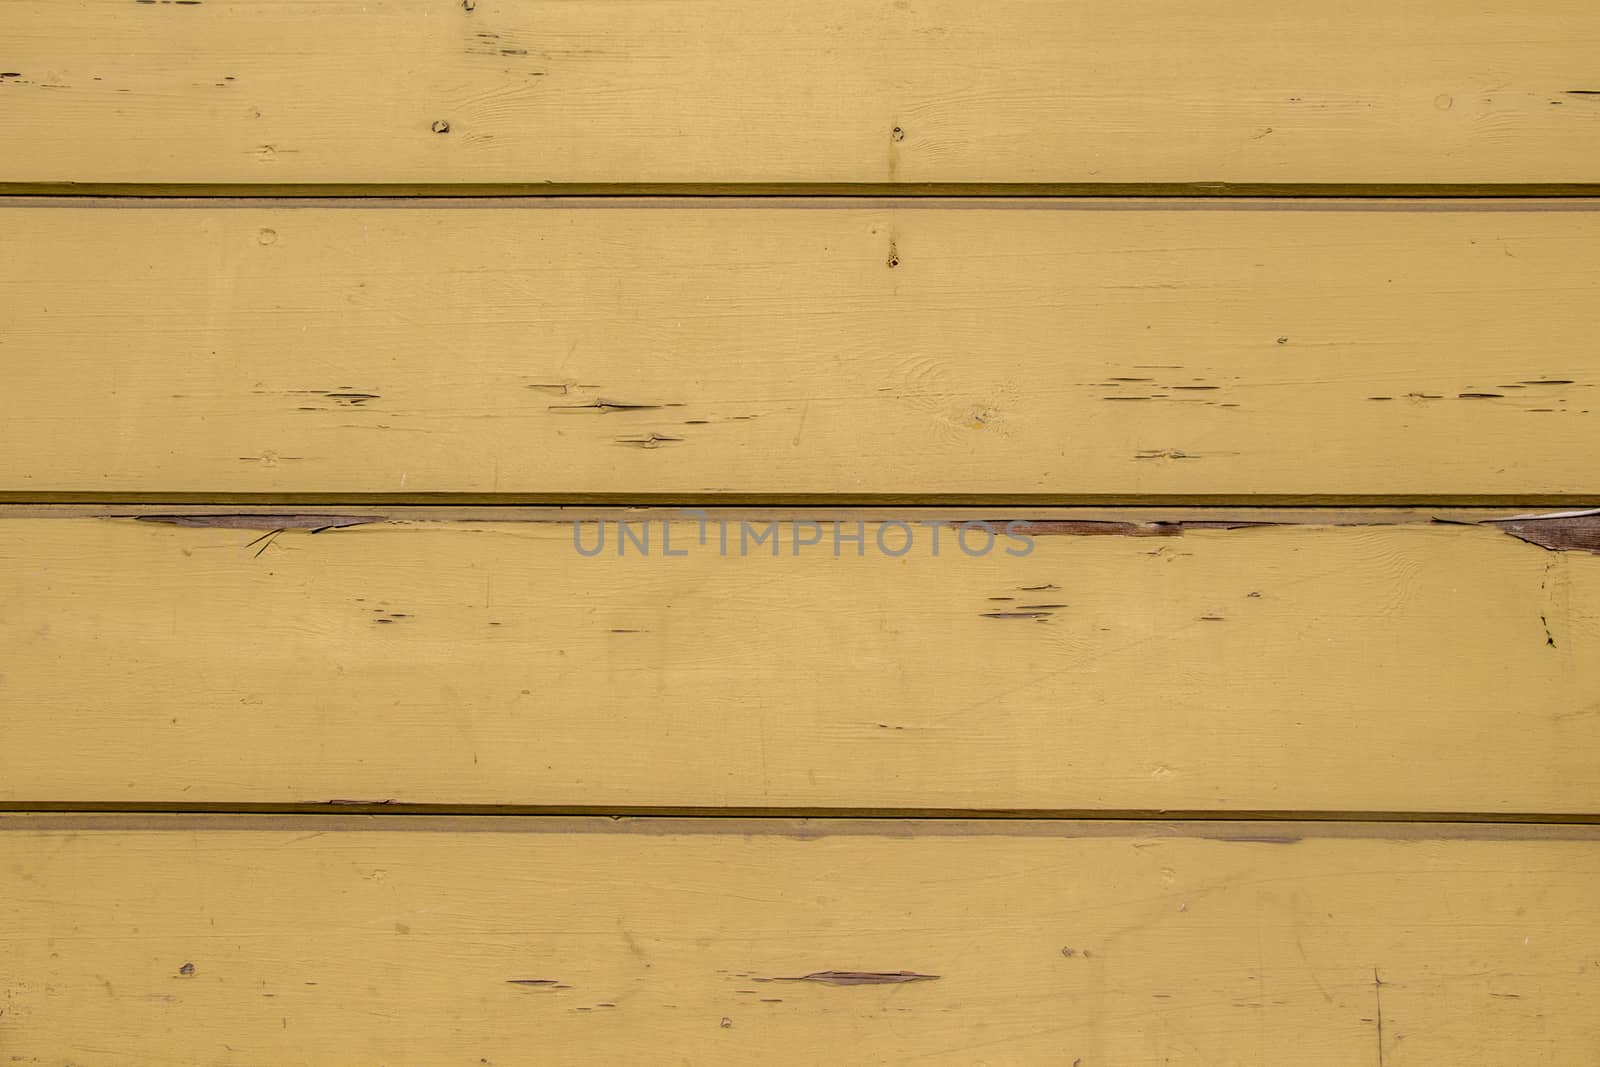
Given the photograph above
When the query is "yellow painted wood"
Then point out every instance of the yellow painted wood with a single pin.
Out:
(245, 940)
(1408, 668)
(625, 347)
(827, 91)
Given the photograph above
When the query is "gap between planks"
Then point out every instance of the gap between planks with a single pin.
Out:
(1251, 827)
(28, 501)
(1111, 191)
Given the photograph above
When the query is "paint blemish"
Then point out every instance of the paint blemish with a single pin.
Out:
(245, 521)
(858, 977)
(1575, 531)
(602, 406)
(649, 440)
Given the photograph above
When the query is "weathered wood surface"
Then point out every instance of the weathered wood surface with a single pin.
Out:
(1394, 665)
(250, 659)
(1054, 350)
(831, 91)
(165, 941)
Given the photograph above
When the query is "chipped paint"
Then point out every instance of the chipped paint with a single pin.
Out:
(1561, 531)
(262, 521)
(1573, 531)
(858, 977)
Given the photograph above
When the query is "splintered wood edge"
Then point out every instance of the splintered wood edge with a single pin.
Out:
(1573, 529)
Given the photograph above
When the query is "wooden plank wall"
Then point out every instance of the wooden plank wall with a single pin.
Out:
(695, 532)
(725, 92)
(1392, 664)
(1018, 348)
(260, 939)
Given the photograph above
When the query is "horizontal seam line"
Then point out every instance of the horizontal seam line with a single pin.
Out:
(1106, 190)
(804, 500)
(623, 811)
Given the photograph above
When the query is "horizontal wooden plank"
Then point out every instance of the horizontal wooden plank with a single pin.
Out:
(1043, 349)
(832, 91)
(260, 941)
(285, 658)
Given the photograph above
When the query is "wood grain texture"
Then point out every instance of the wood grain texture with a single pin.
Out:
(1042, 349)
(828, 91)
(248, 659)
(256, 941)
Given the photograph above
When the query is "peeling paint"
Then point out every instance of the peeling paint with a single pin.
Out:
(650, 440)
(602, 406)
(1575, 531)
(244, 521)
(1098, 528)
(859, 977)
(1561, 532)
